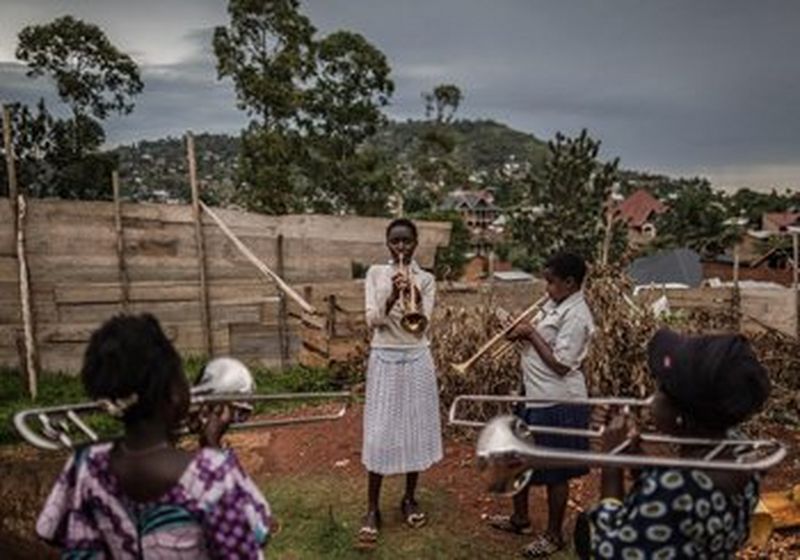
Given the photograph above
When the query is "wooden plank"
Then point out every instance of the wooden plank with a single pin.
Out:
(10, 313)
(124, 280)
(7, 241)
(236, 313)
(8, 269)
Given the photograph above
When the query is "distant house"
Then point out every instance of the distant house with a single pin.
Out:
(479, 212)
(638, 212)
(757, 260)
(477, 208)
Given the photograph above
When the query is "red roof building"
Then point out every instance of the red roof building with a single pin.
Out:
(779, 221)
(638, 211)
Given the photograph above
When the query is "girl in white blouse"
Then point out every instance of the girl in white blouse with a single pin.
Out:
(402, 433)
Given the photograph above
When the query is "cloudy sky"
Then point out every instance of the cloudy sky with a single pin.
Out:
(685, 87)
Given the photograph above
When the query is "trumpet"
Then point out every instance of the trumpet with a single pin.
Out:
(225, 381)
(413, 319)
(499, 344)
(506, 446)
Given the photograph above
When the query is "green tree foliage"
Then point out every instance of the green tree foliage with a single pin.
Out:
(313, 103)
(442, 103)
(565, 207)
(49, 162)
(698, 218)
(91, 75)
(342, 110)
(61, 157)
(752, 205)
(431, 170)
(267, 50)
(450, 260)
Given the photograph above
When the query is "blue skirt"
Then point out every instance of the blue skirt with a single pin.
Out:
(561, 416)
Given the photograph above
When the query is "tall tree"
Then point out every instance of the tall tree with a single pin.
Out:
(697, 219)
(267, 50)
(91, 75)
(442, 103)
(313, 103)
(432, 170)
(566, 207)
(342, 110)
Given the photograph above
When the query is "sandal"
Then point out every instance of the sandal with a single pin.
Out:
(412, 514)
(542, 546)
(508, 524)
(370, 528)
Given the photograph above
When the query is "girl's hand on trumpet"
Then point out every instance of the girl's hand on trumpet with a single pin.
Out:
(523, 331)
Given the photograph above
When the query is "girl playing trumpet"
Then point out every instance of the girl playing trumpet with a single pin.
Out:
(552, 353)
(402, 433)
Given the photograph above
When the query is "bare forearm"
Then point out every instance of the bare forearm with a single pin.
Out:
(546, 353)
(612, 484)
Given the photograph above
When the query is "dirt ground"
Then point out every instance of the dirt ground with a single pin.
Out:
(334, 448)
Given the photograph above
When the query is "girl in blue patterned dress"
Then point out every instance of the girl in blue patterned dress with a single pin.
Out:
(707, 385)
(140, 496)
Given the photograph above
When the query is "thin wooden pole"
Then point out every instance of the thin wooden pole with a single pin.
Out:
(283, 310)
(10, 168)
(205, 314)
(124, 280)
(28, 359)
(264, 269)
(29, 328)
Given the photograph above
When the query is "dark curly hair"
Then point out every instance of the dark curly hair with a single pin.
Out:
(567, 265)
(402, 222)
(131, 354)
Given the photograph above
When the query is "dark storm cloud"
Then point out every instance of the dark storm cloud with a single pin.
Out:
(674, 85)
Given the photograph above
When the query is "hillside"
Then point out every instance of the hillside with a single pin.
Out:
(157, 169)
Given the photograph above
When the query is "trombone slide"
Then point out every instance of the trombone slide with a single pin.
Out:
(504, 442)
(52, 428)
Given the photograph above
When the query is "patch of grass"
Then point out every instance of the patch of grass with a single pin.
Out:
(57, 389)
(320, 517)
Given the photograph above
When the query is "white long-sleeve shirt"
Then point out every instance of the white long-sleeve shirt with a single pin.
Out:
(387, 331)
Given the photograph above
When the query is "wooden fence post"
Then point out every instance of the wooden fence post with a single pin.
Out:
(10, 169)
(28, 359)
(283, 310)
(124, 281)
(205, 315)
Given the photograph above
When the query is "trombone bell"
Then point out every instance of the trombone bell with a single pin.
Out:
(507, 451)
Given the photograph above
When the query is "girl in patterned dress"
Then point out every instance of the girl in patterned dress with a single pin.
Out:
(140, 496)
(402, 433)
(707, 385)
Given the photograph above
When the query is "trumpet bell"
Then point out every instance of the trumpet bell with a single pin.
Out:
(414, 322)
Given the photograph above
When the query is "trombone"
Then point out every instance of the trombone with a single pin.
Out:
(225, 381)
(499, 344)
(505, 449)
(454, 419)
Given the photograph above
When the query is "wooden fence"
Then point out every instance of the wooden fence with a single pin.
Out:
(90, 260)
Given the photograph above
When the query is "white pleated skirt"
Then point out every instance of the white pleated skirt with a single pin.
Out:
(402, 431)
